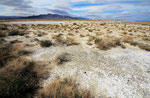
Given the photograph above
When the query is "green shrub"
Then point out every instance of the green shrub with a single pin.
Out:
(97, 40)
(19, 85)
(45, 43)
(15, 32)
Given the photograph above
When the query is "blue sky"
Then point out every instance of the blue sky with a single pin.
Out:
(132, 10)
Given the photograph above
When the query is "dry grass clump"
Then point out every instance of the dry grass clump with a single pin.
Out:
(62, 58)
(90, 30)
(147, 38)
(15, 32)
(63, 88)
(3, 27)
(91, 38)
(70, 34)
(107, 43)
(3, 30)
(131, 41)
(128, 39)
(17, 76)
(145, 47)
(41, 34)
(6, 54)
(74, 23)
(81, 35)
(61, 40)
(18, 84)
(125, 33)
(45, 43)
(2, 34)
(24, 52)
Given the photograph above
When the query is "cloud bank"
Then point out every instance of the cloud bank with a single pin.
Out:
(134, 10)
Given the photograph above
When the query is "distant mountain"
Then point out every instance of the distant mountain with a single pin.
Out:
(9, 17)
(43, 16)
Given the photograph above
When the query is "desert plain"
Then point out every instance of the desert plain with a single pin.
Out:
(74, 59)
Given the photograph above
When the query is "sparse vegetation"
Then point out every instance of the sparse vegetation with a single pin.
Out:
(24, 52)
(45, 43)
(65, 41)
(41, 34)
(63, 88)
(2, 34)
(65, 57)
(107, 43)
(25, 63)
(17, 76)
(145, 47)
(81, 35)
(3, 27)
(15, 32)
(6, 54)
(19, 84)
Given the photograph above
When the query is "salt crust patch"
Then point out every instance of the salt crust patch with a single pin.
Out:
(115, 73)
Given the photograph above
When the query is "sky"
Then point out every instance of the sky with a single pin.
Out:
(131, 10)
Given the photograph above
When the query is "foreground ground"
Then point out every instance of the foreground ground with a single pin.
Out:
(75, 59)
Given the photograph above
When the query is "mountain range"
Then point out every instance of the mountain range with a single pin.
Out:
(44, 16)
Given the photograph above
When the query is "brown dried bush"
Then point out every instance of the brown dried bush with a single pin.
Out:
(63, 88)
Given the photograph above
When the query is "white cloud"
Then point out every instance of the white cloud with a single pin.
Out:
(122, 8)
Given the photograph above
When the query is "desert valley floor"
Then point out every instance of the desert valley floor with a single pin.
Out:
(81, 59)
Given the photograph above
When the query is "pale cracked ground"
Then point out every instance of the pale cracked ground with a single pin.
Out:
(116, 73)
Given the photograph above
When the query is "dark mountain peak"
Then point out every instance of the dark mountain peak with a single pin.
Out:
(43, 16)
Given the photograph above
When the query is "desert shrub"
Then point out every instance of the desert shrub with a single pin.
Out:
(98, 33)
(2, 34)
(145, 47)
(17, 78)
(70, 34)
(64, 57)
(130, 30)
(2, 41)
(107, 43)
(147, 38)
(45, 43)
(59, 40)
(41, 34)
(36, 39)
(63, 88)
(89, 43)
(74, 23)
(130, 41)
(15, 32)
(24, 52)
(91, 38)
(5, 54)
(125, 33)
(3, 27)
(127, 39)
(90, 30)
(102, 24)
(97, 40)
(15, 41)
(117, 42)
(134, 43)
(70, 41)
(19, 84)
(81, 35)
